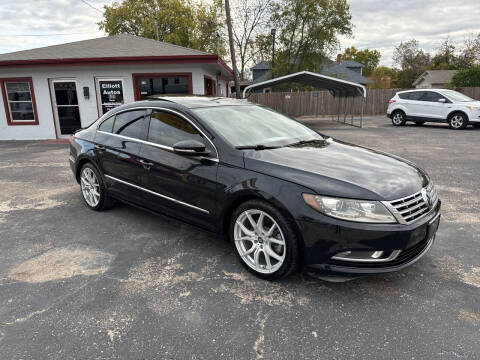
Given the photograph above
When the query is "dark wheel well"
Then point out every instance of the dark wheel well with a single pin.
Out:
(80, 164)
(457, 112)
(399, 110)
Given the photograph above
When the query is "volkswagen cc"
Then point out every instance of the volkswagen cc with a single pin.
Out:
(283, 194)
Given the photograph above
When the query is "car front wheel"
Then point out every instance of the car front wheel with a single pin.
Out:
(264, 240)
(93, 189)
(458, 121)
(398, 118)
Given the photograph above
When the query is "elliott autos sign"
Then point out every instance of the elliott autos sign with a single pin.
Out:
(111, 94)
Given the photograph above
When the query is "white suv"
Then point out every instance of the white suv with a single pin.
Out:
(434, 105)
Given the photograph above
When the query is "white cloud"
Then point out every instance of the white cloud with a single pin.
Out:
(379, 24)
(383, 24)
(38, 17)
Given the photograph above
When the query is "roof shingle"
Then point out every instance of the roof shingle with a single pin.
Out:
(122, 45)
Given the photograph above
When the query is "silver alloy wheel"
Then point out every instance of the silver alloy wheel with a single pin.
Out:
(397, 118)
(457, 121)
(90, 187)
(259, 241)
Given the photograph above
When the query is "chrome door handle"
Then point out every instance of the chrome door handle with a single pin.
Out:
(146, 164)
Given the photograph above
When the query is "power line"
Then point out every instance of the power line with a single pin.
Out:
(91, 6)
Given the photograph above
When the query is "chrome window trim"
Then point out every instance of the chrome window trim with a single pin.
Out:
(157, 194)
(155, 144)
(163, 147)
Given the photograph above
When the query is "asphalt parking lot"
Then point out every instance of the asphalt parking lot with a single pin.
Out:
(75, 284)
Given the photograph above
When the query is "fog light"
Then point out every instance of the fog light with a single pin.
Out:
(366, 256)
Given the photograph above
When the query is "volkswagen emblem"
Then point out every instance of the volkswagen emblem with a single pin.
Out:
(427, 198)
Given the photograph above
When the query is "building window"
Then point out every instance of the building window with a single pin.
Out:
(19, 101)
(148, 86)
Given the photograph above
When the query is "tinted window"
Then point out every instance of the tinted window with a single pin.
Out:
(154, 86)
(431, 96)
(130, 123)
(168, 129)
(415, 95)
(107, 125)
(249, 125)
(404, 96)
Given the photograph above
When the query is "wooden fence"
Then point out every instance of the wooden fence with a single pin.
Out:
(318, 103)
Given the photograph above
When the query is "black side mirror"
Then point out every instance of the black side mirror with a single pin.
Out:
(190, 148)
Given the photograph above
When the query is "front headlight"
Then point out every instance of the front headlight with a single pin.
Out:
(473, 107)
(350, 210)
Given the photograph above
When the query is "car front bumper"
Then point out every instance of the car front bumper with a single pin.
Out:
(408, 243)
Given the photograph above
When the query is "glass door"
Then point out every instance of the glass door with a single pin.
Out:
(65, 103)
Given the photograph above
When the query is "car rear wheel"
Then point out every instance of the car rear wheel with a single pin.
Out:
(398, 118)
(264, 240)
(458, 121)
(93, 189)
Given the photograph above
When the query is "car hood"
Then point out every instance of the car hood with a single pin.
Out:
(333, 168)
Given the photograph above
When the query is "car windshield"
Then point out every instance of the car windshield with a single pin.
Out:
(252, 125)
(456, 96)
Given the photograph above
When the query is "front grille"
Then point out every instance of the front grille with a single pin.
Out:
(413, 207)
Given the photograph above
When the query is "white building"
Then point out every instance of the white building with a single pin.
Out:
(50, 92)
(434, 79)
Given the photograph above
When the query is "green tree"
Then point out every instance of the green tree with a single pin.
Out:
(467, 77)
(470, 52)
(179, 22)
(382, 72)
(412, 61)
(445, 58)
(308, 32)
(369, 58)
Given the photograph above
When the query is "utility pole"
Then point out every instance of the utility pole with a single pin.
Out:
(232, 50)
(156, 27)
(273, 31)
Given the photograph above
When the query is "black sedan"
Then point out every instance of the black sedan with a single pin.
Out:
(283, 194)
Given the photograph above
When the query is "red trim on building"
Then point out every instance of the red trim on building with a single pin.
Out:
(11, 122)
(133, 60)
(135, 77)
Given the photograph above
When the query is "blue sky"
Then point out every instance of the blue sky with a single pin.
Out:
(379, 24)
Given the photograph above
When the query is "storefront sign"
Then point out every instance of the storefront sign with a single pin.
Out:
(111, 94)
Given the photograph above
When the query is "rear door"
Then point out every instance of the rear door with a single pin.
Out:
(178, 184)
(118, 142)
(414, 104)
(432, 108)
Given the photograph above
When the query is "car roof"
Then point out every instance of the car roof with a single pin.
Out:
(178, 103)
(406, 91)
(192, 102)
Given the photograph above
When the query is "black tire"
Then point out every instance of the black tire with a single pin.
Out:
(419, 123)
(291, 252)
(104, 202)
(457, 121)
(398, 118)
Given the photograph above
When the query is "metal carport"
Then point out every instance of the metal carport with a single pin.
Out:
(340, 89)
